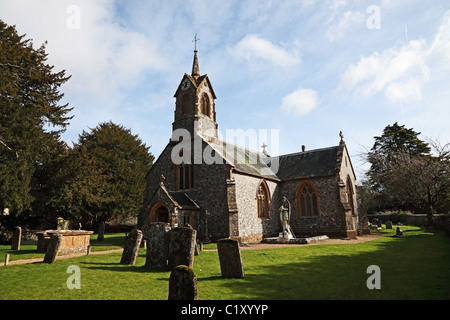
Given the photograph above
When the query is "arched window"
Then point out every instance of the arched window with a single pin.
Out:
(263, 198)
(350, 194)
(307, 200)
(205, 107)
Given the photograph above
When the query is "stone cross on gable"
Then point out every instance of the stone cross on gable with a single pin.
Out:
(264, 146)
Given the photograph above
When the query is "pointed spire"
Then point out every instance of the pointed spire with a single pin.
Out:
(195, 68)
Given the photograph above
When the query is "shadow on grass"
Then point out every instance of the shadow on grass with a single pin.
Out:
(413, 267)
(117, 267)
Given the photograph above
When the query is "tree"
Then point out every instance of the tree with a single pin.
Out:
(395, 141)
(31, 117)
(103, 176)
(421, 183)
(406, 173)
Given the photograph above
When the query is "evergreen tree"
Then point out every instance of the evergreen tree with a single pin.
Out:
(31, 117)
(103, 176)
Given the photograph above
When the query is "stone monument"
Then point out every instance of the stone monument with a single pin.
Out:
(158, 246)
(16, 238)
(181, 247)
(131, 250)
(285, 217)
(230, 258)
(182, 284)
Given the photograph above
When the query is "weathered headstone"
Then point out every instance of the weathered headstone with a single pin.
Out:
(53, 247)
(157, 246)
(182, 284)
(181, 247)
(101, 231)
(131, 250)
(388, 224)
(16, 238)
(230, 258)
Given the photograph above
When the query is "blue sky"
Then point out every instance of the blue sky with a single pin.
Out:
(306, 68)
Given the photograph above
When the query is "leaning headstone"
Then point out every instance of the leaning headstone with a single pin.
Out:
(131, 250)
(388, 224)
(181, 247)
(182, 284)
(53, 247)
(101, 231)
(17, 236)
(157, 246)
(230, 258)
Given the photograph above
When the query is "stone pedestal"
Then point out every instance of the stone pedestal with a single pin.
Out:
(285, 237)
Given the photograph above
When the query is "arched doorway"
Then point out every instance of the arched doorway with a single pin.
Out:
(159, 213)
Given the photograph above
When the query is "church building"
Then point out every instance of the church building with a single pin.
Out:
(237, 192)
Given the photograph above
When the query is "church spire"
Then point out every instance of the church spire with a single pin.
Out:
(195, 68)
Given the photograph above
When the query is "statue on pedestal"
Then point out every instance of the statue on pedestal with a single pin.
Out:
(285, 217)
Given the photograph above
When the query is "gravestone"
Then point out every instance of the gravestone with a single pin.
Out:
(131, 250)
(230, 258)
(388, 224)
(399, 232)
(53, 247)
(16, 238)
(157, 246)
(181, 247)
(101, 231)
(182, 284)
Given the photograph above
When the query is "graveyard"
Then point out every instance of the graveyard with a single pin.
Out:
(412, 267)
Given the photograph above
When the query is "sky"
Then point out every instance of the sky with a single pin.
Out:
(302, 69)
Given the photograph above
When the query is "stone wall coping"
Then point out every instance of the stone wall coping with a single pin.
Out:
(66, 232)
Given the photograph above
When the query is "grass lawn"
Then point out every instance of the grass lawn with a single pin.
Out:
(414, 267)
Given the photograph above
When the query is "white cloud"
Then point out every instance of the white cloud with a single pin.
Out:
(300, 102)
(441, 43)
(255, 49)
(101, 55)
(347, 20)
(398, 72)
(401, 72)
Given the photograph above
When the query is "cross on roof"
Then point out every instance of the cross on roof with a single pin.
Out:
(264, 146)
(195, 40)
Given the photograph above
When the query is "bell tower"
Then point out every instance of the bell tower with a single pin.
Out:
(194, 106)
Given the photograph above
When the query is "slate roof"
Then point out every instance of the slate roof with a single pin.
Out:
(308, 164)
(301, 165)
(184, 201)
(243, 159)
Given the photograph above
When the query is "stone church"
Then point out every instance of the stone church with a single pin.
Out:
(239, 194)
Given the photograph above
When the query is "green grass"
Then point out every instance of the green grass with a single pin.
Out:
(414, 267)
